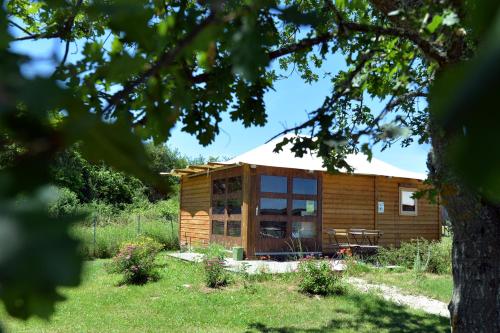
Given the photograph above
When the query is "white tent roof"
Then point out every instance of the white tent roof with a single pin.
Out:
(265, 156)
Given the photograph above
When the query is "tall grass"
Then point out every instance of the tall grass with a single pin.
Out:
(420, 255)
(109, 237)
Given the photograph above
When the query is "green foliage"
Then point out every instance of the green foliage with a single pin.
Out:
(213, 250)
(66, 203)
(136, 261)
(318, 278)
(114, 227)
(33, 267)
(215, 274)
(421, 255)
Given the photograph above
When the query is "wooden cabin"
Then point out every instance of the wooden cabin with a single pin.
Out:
(276, 204)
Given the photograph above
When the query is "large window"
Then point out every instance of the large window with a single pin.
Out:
(287, 208)
(226, 206)
(273, 184)
(407, 201)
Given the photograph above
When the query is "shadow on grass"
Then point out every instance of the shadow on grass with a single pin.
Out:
(373, 315)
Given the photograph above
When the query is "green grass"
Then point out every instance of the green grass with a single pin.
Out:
(270, 305)
(109, 237)
(432, 285)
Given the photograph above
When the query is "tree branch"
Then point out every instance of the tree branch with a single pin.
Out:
(166, 60)
(426, 46)
(330, 101)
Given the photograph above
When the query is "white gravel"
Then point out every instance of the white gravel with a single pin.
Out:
(395, 295)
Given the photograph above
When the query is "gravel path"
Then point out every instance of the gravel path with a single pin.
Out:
(395, 295)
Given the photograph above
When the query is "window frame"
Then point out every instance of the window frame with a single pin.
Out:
(401, 211)
(227, 214)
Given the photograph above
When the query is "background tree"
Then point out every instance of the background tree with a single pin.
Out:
(147, 65)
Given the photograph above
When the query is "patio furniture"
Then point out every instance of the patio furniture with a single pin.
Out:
(358, 235)
(373, 236)
(336, 235)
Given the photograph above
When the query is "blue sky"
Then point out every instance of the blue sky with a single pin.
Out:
(286, 106)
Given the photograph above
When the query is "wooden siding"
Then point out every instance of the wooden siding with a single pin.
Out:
(350, 201)
(194, 229)
(398, 228)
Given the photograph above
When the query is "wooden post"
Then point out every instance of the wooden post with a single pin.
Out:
(245, 210)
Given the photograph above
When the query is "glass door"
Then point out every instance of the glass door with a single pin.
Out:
(287, 211)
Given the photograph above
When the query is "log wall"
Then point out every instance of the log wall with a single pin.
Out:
(194, 228)
(350, 201)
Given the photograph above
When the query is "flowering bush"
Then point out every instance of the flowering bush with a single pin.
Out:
(215, 274)
(318, 278)
(135, 260)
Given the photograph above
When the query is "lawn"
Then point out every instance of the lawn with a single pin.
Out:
(432, 285)
(179, 302)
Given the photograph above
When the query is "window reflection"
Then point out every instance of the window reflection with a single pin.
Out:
(219, 186)
(234, 206)
(234, 184)
(218, 207)
(273, 184)
(234, 228)
(273, 206)
(272, 229)
(304, 208)
(303, 230)
(305, 186)
(217, 227)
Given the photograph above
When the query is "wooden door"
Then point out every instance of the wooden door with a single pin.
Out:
(287, 209)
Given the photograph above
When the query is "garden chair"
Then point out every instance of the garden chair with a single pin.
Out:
(334, 237)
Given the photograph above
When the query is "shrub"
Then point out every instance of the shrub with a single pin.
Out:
(215, 274)
(66, 203)
(136, 261)
(422, 255)
(213, 250)
(318, 278)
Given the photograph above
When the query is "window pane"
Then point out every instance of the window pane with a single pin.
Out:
(304, 208)
(272, 206)
(305, 186)
(234, 184)
(234, 206)
(303, 230)
(218, 207)
(407, 202)
(217, 227)
(219, 186)
(234, 228)
(274, 184)
(272, 229)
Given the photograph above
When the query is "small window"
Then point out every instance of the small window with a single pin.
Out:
(217, 227)
(305, 186)
(273, 184)
(233, 206)
(407, 202)
(304, 208)
(219, 186)
(218, 207)
(273, 229)
(303, 230)
(234, 184)
(234, 228)
(273, 206)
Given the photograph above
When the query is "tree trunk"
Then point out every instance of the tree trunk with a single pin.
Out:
(475, 304)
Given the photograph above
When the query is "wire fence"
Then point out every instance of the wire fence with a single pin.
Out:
(103, 240)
